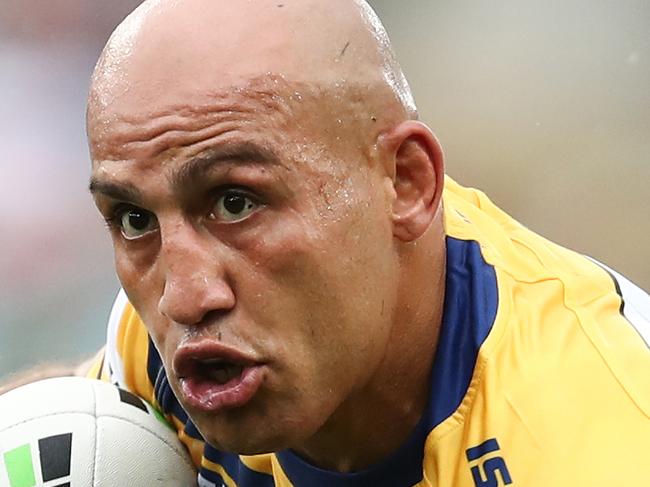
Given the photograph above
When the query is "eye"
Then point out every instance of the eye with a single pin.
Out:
(233, 206)
(135, 223)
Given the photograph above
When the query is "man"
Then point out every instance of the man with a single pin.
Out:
(297, 300)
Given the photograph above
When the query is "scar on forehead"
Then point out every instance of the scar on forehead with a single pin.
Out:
(345, 48)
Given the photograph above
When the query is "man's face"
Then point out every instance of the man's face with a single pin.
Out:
(254, 240)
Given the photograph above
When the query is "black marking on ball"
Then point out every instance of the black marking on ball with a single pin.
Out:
(127, 398)
(55, 453)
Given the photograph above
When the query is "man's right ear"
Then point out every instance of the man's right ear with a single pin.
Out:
(417, 170)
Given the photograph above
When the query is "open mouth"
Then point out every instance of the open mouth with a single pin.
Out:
(214, 378)
(218, 370)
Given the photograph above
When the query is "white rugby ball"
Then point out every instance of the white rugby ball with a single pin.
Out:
(76, 432)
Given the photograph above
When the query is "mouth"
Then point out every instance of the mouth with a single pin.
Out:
(214, 378)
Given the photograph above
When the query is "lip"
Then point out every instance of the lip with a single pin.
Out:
(207, 395)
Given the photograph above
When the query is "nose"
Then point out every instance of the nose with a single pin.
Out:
(195, 277)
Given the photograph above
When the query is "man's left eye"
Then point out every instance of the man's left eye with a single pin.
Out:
(233, 206)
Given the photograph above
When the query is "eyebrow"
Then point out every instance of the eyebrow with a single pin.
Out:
(123, 192)
(244, 152)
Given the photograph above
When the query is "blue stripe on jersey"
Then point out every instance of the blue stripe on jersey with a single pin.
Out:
(471, 300)
(470, 309)
(231, 463)
(164, 394)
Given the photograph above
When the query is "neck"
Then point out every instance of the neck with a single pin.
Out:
(377, 419)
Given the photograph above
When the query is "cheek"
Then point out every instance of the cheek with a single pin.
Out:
(137, 277)
(135, 273)
(322, 286)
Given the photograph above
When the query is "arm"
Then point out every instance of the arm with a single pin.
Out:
(88, 368)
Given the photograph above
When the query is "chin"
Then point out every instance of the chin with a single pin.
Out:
(237, 432)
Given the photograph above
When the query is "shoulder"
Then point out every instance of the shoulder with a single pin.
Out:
(539, 280)
(128, 349)
(561, 376)
(560, 316)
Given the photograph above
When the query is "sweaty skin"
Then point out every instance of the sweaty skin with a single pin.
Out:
(330, 274)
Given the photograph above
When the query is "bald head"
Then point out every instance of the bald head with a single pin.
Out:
(196, 48)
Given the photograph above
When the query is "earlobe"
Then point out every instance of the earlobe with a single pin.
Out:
(418, 178)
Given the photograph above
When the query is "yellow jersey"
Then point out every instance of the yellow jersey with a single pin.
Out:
(541, 375)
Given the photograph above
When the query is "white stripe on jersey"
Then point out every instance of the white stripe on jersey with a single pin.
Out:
(112, 359)
(636, 303)
(203, 482)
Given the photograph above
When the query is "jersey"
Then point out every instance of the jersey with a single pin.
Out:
(540, 377)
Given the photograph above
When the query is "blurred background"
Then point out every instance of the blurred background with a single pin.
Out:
(545, 105)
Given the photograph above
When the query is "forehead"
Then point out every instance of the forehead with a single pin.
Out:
(291, 119)
(193, 120)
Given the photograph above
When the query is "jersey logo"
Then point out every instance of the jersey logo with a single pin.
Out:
(487, 469)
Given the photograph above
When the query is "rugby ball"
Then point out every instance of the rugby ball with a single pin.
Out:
(76, 432)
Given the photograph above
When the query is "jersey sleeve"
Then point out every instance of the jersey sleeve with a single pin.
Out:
(94, 368)
(635, 302)
(124, 359)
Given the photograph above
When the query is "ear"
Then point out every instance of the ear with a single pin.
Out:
(416, 165)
